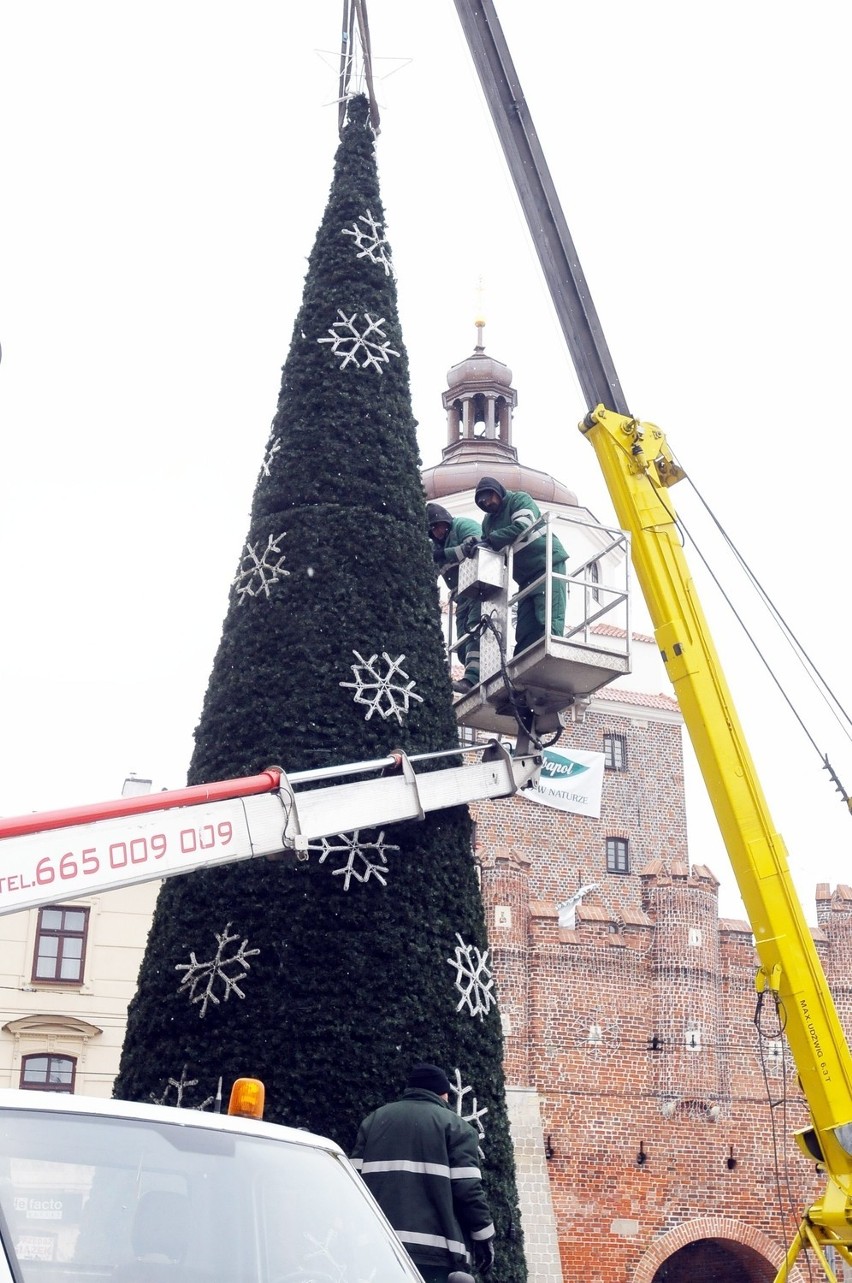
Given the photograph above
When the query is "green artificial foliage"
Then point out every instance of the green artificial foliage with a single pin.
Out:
(343, 988)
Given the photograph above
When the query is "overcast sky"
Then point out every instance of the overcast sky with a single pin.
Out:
(165, 168)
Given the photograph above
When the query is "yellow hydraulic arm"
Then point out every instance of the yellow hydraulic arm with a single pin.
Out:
(639, 470)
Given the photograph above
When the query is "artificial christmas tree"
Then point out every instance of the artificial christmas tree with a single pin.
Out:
(329, 979)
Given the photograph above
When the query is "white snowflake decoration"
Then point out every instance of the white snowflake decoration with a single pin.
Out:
(349, 342)
(258, 572)
(269, 456)
(595, 1033)
(201, 977)
(372, 242)
(363, 859)
(475, 1114)
(180, 1087)
(474, 980)
(380, 691)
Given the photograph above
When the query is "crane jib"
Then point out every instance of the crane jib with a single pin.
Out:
(542, 209)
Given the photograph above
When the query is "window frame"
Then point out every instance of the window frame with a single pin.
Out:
(612, 739)
(471, 737)
(61, 934)
(63, 1088)
(616, 848)
(595, 579)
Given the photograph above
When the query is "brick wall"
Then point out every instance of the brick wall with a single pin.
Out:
(632, 1030)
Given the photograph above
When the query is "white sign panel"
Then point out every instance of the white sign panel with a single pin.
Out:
(62, 863)
(570, 780)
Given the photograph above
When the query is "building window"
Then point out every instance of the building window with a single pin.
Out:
(595, 578)
(48, 1073)
(617, 860)
(615, 752)
(469, 736)
(60, 950)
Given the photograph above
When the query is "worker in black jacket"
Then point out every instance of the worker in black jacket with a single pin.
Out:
(420, 1160)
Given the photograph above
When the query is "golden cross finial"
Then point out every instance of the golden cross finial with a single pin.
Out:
(480, 313)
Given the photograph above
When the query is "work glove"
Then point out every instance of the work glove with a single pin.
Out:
(438, 556)
(470, 545)
(483, 1255)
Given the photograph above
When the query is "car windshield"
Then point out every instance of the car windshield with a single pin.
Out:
(84, 1197)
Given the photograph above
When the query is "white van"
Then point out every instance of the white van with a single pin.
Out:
(96, 1190)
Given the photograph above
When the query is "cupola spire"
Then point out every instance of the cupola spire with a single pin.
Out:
(479, 401)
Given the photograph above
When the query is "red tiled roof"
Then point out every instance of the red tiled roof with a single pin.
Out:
(619, 695)
(610, 630)
(744, 928)
(594, 913)
(635, 918)
(543, 909)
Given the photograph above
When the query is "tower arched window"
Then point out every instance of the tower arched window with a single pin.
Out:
(458, 419)
(479, 415)
(501, 418)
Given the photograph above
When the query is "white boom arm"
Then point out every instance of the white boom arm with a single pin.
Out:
(83, 851)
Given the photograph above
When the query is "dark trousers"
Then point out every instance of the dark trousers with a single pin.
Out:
(530, 624)
(467, 617)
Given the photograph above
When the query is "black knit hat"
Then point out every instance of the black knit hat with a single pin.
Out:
(429, 1078)
(436, 515)
(489, 483)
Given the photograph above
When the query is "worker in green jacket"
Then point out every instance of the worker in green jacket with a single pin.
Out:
(453, 539)
(508, 515)
(420, 1160)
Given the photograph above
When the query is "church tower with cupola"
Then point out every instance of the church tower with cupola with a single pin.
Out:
(480, 402)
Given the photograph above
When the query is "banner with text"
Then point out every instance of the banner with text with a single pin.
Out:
(570, 781)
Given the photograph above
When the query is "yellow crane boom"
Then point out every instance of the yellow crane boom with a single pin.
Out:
(639, 469)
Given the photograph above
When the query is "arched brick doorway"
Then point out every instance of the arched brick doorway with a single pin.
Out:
(714, 1249)
(715, 1260)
